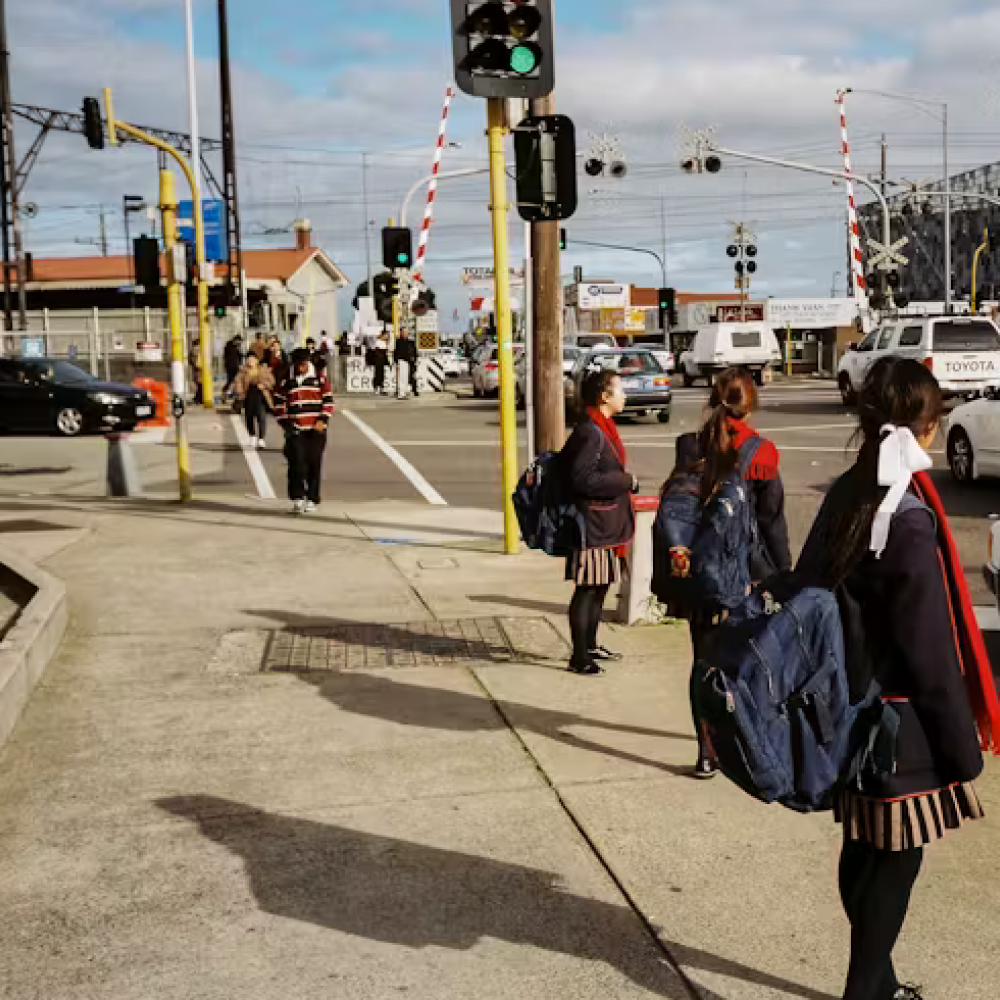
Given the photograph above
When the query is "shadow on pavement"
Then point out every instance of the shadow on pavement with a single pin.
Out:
(381, 697)
(411, 895)
(543, 607)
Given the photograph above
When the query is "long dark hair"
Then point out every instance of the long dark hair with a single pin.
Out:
(897, 391)
(734, 395)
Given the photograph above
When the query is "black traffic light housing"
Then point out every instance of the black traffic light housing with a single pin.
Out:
(146, 263)
(667, 302)
(546, 168)
(425, 302)
(397, 247)
(386, 287)
(93, 123)
(503, 49)
(563, 241)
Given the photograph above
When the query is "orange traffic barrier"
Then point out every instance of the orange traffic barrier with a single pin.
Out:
(160, 393)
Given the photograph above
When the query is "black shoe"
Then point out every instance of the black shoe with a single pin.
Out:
(603, 653)
(588, 669)
(707, 767)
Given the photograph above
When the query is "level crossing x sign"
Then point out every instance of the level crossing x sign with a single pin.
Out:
(887, 258)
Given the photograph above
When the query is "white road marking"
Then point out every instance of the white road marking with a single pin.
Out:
(418, 482)
(264, 488)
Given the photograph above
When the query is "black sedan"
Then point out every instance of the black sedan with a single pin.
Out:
(40, 395)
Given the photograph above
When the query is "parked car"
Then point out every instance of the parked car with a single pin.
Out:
(665, 357)
(972, 436)
(590, 341)
(646, 382)
(963, 352)
(991, 568)
(486, 370)
(39, 395)
(719, 346)
(569, 353)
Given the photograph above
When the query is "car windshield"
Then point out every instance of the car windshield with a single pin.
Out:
(63, 372)
(974, 335)
(746, 338)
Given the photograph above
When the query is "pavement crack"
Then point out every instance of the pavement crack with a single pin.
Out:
(591, 843)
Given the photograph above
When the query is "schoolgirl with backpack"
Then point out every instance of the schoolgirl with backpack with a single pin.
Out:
(721, 523)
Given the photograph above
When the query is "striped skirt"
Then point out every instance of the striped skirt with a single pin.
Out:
(906, 823)
(594, 567)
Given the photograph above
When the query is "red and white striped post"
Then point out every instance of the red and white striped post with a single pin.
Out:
(859, 283)
(425, 232)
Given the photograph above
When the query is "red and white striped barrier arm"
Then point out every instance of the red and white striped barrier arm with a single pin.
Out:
(425, 232)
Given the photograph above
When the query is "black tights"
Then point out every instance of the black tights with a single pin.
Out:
(699, 634)
(875, 889)
(585, 612)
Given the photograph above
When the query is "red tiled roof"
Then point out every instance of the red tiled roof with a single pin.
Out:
(260, 265)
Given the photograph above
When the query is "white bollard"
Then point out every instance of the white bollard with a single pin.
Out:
(123, 476)
(636, 603)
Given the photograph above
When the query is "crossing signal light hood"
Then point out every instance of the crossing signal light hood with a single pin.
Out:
(503, 49)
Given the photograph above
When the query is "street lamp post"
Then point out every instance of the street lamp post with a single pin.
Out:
(925, 104)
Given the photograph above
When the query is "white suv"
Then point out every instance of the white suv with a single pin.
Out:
(963, 353)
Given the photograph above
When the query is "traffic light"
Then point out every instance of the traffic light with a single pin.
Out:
(563, 242)
(146, 263)
(220, 312)
(503, 49)
(667, 303)
(397, 247)
(93, 123)
(386, 289)
(546, 168)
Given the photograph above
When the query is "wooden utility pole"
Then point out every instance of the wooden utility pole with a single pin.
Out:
(550, 414)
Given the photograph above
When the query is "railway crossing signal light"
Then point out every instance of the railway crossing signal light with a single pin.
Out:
(397, 247)
(701, 164)
(385, 289)
(93, 123)
(503, 49)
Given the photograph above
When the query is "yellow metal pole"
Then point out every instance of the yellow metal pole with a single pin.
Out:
(981, 249)
(168, 208)
(505, 335)
(204, 325)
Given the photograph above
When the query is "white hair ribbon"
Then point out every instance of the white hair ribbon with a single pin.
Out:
(899, 456)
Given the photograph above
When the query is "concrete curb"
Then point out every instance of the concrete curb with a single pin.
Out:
(27, 648)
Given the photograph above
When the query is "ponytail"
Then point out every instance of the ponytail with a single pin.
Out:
(734, 396)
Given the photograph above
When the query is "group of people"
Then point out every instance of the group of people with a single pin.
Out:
(404, 356)
(905, 606)
(297, 392)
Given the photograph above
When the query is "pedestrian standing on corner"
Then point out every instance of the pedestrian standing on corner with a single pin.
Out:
(303, 407)
(254, 390)
(232, 359)
(715, 451)
(380, 361)
(259, 347)
(882, 542)
(406, 351)
(594, 462)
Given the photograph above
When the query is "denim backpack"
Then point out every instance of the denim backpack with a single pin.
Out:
(702, 549)
(548, 518)
(771, 693)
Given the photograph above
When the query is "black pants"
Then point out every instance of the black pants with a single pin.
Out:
(255, 413)
(875, 889)
(699, 635)
(585, 612)
(378, 382)
(231, 374)
(304, 452)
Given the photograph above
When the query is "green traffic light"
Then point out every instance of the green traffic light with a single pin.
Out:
(403, 259)
(524, 58)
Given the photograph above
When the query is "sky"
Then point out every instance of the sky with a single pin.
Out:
(318, 83)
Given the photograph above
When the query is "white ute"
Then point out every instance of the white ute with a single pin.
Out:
(723, 345)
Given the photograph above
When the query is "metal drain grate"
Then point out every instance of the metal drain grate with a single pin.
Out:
(360, 646)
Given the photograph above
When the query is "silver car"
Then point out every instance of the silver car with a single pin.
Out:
(645, 381)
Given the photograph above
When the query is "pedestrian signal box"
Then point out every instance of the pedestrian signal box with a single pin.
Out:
(503, 49)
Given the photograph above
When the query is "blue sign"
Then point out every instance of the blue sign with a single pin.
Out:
(32, 347)
(216, 242)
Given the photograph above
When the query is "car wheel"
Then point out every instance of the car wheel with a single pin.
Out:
(476, 392)
(961, 458)
(663, 416)
(688, 381)
(847, 393)
(69, 421)
(758, 376)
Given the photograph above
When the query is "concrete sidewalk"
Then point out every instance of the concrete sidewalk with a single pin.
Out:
(340, 757)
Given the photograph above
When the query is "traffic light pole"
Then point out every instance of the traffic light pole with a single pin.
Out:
(204, 327)
(168, 208)
(505, 334)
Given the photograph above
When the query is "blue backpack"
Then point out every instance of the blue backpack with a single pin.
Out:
(771, 693)
(702, 549)
(548, 518)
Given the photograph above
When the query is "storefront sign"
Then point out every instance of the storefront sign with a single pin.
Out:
(603, 296)
(812, 314)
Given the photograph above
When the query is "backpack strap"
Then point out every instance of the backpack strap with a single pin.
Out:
(747, 453)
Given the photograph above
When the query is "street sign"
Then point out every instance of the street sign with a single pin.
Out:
(32, 347)
(483, 277)
(603, 295)
(214, 213)
(887, 258)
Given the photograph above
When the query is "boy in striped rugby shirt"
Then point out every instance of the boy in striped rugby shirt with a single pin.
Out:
(303, 405)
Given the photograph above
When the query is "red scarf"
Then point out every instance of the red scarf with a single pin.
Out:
(610, 431)
(969, 645)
